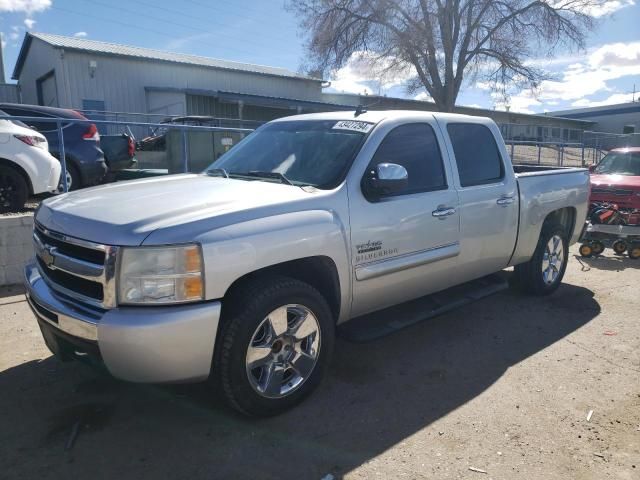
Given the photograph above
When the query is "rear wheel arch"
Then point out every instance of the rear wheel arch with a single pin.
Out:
(563, 216)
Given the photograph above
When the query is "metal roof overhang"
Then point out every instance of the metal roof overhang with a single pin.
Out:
(251, 99)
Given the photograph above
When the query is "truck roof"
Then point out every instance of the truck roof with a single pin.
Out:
(376, 116)
(626, 149)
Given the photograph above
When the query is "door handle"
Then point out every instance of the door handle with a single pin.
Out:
(504, 201)
(443, 212)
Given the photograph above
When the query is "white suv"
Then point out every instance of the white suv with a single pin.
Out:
(26, 166)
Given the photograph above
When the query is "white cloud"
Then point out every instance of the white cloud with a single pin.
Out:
(27, 6)
(580, 80)
(607, 8)
(424, 97)
(80, 34)
(362, 74)
(611, 100)
(608, 62)
(520, 102)
(29, 23)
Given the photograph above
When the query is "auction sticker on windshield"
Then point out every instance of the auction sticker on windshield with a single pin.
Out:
(353, 125)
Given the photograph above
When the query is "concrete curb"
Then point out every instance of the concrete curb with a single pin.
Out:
(16, 247)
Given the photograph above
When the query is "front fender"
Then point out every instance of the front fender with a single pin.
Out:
(232, 251)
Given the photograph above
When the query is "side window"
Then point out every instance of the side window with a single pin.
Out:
(39, 126)
(477, 155)
(415, 147)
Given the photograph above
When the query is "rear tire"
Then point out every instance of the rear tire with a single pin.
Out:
(598, 247)
(634, 251)
(74, 181)
(14, 190)
(274, 345)
(619, 247)
(543, 274)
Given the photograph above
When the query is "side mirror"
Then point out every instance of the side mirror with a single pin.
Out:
(592, 168)
(387, 178)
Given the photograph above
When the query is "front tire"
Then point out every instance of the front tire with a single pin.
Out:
(543, 274)
(275, 345)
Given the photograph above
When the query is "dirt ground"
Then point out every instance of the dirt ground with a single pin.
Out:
(503, 386)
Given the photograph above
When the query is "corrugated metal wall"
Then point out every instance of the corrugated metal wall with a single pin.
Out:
(207, 105)
(9, 93)
(42, 59)
(120, 81)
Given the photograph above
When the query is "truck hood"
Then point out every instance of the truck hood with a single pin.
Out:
(125, 213)
(621, 181)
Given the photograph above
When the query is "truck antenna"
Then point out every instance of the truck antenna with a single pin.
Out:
(360, 109)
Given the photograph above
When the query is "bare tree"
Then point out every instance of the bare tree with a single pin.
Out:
(445, 41)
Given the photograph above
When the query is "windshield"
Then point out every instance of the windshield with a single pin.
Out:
(316, 152)
(620, 163)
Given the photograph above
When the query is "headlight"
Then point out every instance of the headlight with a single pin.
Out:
(151, 275)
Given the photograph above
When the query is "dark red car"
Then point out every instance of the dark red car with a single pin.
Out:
(616, 179)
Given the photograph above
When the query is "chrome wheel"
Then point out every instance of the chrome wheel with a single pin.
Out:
(69, 182)
(283, 351)
(552, 260)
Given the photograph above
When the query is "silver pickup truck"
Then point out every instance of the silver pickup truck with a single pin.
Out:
(241, 274)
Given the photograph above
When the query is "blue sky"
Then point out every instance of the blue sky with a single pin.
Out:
(264, 32)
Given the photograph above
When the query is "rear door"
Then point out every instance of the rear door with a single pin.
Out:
(403, 244)
(488, 197)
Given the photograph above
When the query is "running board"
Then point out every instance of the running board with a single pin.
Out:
(378, 324)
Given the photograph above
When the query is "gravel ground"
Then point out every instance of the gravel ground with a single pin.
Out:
(503, 386)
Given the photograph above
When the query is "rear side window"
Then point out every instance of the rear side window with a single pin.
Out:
(477, 154)
(40, 126)
(415, 147)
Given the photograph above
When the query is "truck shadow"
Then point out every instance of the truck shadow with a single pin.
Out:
(376, 395)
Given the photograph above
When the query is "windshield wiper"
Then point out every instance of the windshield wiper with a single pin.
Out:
(261, 174)
(218, 171)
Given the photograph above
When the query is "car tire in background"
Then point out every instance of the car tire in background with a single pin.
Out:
(14, 190)
(543, 273)
(274, 345)
(74, 181)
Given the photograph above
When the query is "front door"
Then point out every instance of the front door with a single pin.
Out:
(403, 244)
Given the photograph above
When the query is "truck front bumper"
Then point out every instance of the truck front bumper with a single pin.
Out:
(137, 344)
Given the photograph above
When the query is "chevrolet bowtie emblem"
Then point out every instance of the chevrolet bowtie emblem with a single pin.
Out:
(47, 255)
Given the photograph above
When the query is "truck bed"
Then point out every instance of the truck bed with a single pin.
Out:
(544, 189)
(529, 170)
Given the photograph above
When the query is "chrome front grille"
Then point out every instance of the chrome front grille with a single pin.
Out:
(81, 270)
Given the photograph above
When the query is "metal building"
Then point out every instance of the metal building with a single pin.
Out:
(89, 75)
(623, 118)
(514, 125)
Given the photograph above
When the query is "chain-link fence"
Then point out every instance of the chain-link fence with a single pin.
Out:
(547, 153)
(134, 145)
(557, 146)
(160, 149)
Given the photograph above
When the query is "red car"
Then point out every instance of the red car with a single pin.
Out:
(616, 179)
